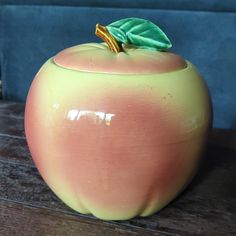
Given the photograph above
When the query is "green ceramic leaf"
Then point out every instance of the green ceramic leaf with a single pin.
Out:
(139, 32)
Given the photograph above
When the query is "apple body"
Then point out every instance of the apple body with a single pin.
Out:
(115, 138)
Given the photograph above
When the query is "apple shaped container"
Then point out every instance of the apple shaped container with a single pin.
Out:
(117, 129)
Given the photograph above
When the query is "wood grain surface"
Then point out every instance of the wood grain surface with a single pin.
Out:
(29, 207)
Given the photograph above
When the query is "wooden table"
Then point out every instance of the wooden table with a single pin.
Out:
(28, 206)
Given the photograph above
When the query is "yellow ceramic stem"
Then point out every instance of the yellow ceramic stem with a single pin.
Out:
(103, 33)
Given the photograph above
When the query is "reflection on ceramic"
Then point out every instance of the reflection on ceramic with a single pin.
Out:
(113, 140)
(97, 117)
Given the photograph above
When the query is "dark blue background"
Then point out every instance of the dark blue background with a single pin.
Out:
(203, 32)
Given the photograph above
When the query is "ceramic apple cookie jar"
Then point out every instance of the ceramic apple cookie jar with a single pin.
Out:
(116, 129)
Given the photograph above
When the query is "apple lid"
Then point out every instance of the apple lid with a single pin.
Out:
(97, 57)
(133, 46)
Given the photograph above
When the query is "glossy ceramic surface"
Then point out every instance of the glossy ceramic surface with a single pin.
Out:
(117, 145)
